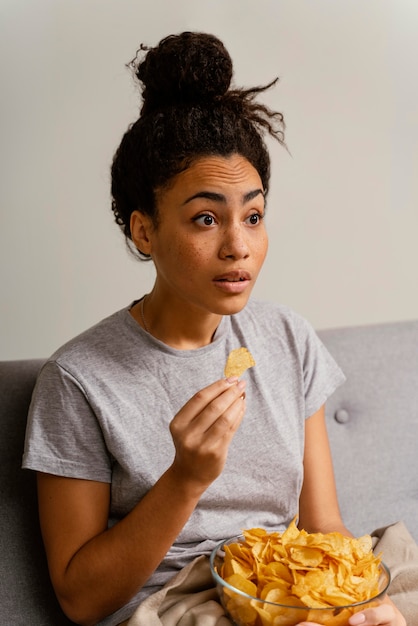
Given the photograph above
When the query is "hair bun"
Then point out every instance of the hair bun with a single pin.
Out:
(189, 67)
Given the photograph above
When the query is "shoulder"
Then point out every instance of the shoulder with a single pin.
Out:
(96, 345)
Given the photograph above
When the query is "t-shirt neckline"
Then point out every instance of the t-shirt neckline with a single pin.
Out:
(219, 335)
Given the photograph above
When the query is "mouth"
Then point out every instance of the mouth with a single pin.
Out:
(233, 277)
(233, 283)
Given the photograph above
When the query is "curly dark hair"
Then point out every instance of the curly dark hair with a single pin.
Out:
(188, 111)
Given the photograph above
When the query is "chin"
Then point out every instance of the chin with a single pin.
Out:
(232, 306)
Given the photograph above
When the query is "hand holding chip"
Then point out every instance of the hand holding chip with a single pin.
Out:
(203, 429)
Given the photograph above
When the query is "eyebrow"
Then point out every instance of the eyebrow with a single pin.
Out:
(219, 197)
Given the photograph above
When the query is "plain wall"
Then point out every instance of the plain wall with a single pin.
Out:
(343, 205)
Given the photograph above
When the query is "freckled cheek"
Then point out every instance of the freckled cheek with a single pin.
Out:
(190, 256)
(260, 248)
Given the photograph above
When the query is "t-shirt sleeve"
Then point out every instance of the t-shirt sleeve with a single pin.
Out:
(321, 374)
(63, 435)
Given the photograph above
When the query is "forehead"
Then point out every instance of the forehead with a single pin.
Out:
(218, 172)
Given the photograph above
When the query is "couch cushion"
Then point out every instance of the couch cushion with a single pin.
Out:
(373, 424)
(26, 594)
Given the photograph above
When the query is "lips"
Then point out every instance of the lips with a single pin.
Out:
(233, 277)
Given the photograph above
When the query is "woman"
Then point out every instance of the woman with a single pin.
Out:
(146, 454)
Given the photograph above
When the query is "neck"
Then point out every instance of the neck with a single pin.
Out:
(178, 328)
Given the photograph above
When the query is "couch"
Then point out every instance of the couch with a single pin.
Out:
(373, 427)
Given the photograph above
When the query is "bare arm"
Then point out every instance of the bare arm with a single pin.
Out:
(318, 505)
(96, 570)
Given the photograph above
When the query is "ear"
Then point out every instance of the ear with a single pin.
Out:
(141, 228)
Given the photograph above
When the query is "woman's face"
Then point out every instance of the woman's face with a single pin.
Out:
(211, 241)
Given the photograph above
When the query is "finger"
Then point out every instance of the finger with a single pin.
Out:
(215, 398)
(378, 616)
(223, 425)
(202, 397)
(222, 411)
(218, 420)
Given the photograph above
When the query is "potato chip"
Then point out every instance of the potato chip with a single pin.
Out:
(296, 568)
(238, 361)
(238, 607)
(243, 584)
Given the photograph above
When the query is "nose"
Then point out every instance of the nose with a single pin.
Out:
(234, 243)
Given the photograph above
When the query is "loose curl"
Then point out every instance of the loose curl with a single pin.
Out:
(188, 112)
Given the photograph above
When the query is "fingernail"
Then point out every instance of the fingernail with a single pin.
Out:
(232, 379)
(358, 618)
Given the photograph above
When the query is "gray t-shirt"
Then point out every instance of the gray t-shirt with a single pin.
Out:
(103, 403)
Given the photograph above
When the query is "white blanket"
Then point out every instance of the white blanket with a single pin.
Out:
(400, 553)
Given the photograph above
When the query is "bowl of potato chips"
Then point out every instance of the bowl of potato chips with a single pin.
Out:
(284, 578)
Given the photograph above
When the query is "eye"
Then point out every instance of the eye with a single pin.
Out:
(205, 220)
(254, 219)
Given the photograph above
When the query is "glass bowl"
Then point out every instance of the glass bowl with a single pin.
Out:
(246, 610)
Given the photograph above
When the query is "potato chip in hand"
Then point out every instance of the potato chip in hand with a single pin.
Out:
(238, 361)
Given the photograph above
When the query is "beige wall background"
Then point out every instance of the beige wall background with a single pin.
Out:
(343, 206)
